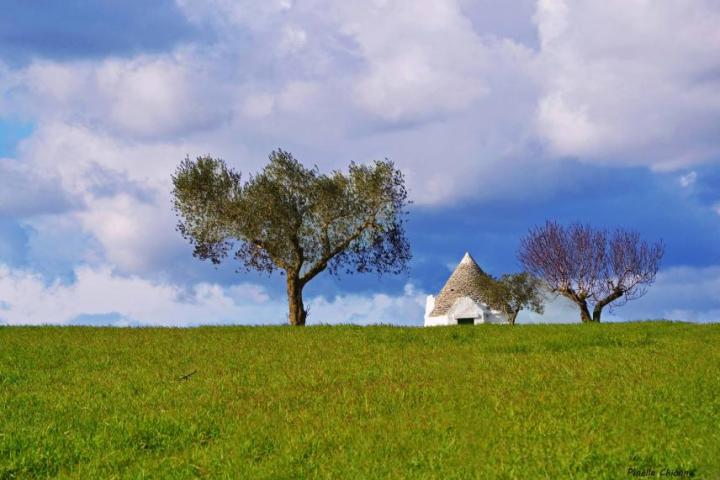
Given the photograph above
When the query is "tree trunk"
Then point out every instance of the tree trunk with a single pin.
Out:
(298, 314)
(597, 311)
(583, 306)
(584, 312)
(512, 316)
(581, 303)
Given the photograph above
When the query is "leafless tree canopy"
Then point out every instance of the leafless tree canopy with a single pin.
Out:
(591, 266)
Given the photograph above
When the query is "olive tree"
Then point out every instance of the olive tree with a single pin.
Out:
(295, 219)
(514, 292)
(591, 267)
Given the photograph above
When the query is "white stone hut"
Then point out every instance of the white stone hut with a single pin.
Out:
(460, 302)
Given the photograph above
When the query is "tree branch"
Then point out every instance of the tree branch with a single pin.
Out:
(322, 263)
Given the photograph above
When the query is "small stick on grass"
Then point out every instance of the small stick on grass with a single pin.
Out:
(188, 375)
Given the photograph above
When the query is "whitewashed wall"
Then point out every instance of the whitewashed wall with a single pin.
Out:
(463, 307)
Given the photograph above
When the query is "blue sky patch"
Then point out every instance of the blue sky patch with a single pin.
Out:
(99, 320)
(76, 29)
(11, 133)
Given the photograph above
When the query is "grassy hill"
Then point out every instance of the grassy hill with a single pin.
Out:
(572, 401)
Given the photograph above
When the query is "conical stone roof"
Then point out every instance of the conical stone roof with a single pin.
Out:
(466, 281)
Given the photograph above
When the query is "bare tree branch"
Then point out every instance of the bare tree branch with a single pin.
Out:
(590, 266)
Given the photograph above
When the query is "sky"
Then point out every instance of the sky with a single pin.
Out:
(502, 115)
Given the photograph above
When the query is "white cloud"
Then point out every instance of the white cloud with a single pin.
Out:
(557, 309)
(406, 309)
(135, 235)
(680, 293)
(606, 84)
(75, 153)
(688, 180)
(293, 39)
(137, 301)
(233, 13)
(569, 127)
(413, 81)
(120, 191)
(259, 105)
(630, 82)
(421, 57)
(145, 97)
(406, 80)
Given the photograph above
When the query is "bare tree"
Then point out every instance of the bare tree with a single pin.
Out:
(295, 219)
(591, 267)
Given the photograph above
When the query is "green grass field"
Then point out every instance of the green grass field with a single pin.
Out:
(572, 401)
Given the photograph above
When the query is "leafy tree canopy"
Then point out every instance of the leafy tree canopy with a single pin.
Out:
(295, 219)
(512, 293)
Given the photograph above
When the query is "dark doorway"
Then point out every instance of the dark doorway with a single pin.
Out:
(466, 321)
